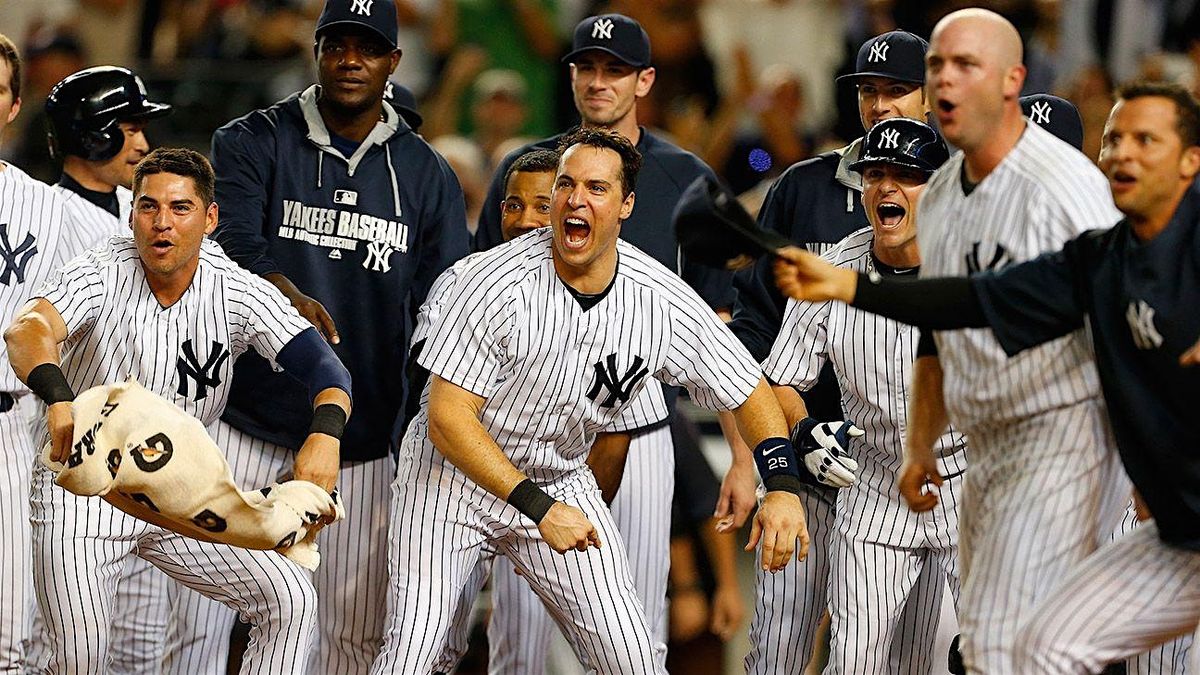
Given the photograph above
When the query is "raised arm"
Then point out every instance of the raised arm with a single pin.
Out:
(32, 341)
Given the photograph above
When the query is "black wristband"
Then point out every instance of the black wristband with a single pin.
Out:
(530, 500)
(783, 483)
(49, 384)
(328, 419)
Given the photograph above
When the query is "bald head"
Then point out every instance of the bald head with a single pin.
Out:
(995, 38)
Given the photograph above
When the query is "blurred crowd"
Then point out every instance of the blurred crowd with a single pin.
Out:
(748, 85)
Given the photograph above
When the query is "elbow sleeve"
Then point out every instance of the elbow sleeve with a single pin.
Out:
(311, 360)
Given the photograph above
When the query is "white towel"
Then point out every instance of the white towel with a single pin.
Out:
(149, 458)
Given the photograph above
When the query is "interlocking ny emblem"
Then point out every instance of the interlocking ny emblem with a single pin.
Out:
(379, 257)
(878, 52)
(617, 386)
(1000, 260)
(1141, 323)
(890, 138)
(361, 6)
(1040, 113)
(205, 375)
(16, 259)
(602, 29)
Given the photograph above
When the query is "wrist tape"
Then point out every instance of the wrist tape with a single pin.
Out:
(49, 383)
(328, 419)
(530, 500)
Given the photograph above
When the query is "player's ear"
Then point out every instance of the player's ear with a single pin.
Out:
(1014, 80)
(627, 206)
(645, 81)
(210, 218)
(396, 55)
(12, 112)
(1189, 162)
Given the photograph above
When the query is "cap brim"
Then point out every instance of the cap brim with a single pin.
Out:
(571, 57)
(359, 24)
(151, 111)
(851, 77)
(861, 164)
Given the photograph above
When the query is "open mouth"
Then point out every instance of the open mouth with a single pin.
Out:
(890, 215)
(945, 107)
(1122, 179)
(162, 246)
(576, 232)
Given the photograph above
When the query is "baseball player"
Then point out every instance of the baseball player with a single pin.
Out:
(330, 196)
(514, 403)
(169, 309)
(875, 536)
(1139, 590)
(1029, 515)
(610, 69)
(816, 203)
(31, 246)
(97, 119)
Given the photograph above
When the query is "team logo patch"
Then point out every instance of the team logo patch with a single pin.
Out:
(345, 197)
(1040, 113)
(379, 256)
(1140, 316)
(878, 52)
(602, 29)
(205, 374)
(975, 259)
(15, 259)
(614, 386)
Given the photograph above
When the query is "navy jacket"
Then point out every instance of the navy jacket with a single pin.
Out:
(815, 203)
(365, 236)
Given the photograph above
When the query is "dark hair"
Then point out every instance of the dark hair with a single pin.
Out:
(631, 159)
(180, 162)
(1187, 109)
(534, 161)
(8, 52)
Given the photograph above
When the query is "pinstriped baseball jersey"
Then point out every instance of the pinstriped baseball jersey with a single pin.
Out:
(554, 375)
(88, 224)
(873, 359)
(1039, 197)
(185, 352)
(31, 228)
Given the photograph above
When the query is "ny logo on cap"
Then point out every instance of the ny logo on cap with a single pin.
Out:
(361, 7)
(1141, 323)
(602, 29)
(878, 52)
(1040, 113)
(890, 138)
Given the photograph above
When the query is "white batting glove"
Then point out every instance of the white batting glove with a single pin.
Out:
(823, 447)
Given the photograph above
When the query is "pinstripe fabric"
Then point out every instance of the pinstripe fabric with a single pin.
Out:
(16, 562)
(116, 330)
(88, 224)
(350, 603)
(878, 547)
(519, 631)
(1129, 595)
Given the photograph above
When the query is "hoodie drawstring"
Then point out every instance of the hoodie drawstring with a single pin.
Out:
(849, 200)
(320, 157)
(392, 172)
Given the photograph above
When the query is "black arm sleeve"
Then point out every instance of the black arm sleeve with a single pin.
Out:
(937, 304)
(925, 343)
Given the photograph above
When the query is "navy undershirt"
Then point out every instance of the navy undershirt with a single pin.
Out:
(344, 145)
(105, 200)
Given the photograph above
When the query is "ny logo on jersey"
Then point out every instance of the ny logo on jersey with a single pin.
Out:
(618, 386)
(1000, 260)
(1141, 323)
(16, 259)
(379, 257)
(602, 29)
(890, 138)
(361, 7)
(205, 375)
(878, 52)
(1040, 113)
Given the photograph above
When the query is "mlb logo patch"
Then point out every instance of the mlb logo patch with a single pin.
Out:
(345, 197)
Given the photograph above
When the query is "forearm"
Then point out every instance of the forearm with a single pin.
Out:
(32, 339)
(791, 403)
(607, 462)
(722, 554)
(927, 418)
(457, 433)
(739, 451)
(760, 417)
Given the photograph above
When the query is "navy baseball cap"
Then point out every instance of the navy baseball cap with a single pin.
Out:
(897, 55)
(899, 141)
(404, 102)
(1056, 115)
(378, 16)
(616, 34)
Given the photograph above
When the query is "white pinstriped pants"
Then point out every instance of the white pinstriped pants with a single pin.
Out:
(520, 630)
(1128, 596)
(82, 545)
(1039, 496)
(16, 560)
(350, 581)
(443, 525)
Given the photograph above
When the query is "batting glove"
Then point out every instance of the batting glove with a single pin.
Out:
(822, 446)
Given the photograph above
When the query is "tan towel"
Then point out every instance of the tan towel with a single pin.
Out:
(149, 458)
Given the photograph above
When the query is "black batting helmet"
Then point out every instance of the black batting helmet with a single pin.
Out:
(85, 112)
(899, 141)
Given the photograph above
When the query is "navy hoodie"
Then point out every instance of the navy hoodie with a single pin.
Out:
(365, 236)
